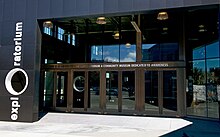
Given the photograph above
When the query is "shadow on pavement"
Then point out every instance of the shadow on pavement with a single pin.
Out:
(198, 128)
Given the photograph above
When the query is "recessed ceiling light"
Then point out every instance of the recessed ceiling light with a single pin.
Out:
(48, 24)
(101, 20)
(162, 16)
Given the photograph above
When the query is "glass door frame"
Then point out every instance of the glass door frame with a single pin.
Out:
(180, 91)
(103, 109)
(139, 87)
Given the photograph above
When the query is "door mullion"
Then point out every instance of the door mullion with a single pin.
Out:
(86, 91)
(160, 92)
(120, 91)
(55, 89)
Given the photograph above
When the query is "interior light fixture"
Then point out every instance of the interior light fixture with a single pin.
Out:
(101, 20)
(116, 35)
(128, 45)
(48, 24)
(201, 28)
(162, 16)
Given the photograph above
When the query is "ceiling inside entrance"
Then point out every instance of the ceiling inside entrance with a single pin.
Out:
(90, 25)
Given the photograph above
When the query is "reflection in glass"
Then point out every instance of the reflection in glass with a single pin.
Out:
(127, 54)
(111, 90)
(199, 72)
(169, 91)
(111, 53)
(96, 54)
(197, 93)
(199, 53)
(212, 50)
(169, 51)
(160, 52)
(148, 50)
(128, 90)
(212, 80)
(94, 89)
(48, 89)
(61, 89)
(151, 91)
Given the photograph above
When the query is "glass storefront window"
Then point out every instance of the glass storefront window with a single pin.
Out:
(127, 53)
(160, 52)
(148, 51)
(199, 53)
(212, 95)
(169, 51)
(212, 50)
(111, 53)
(202, 88)
(96, 54)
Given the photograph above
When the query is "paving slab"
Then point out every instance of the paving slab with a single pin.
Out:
(88, 125)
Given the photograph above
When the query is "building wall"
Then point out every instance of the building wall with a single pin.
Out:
(27, 12)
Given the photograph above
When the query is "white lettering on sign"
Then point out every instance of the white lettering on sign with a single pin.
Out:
(141, 65)
(15, 104)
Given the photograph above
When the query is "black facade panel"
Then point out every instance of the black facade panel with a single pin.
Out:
(6, 58)
(174, 3)
(20, 9)
(29, 35)
(110, 6)
(8, 10)
(3, 91)
(0, 34)
(141, 4)
(125, 5)
(82, 8)
(154, 4)
(210, 1)
(56, 8)
(23, 111)
(43, 10)
(96, 7)
(31, 10)
(192, 2)
(1, 10)
(7, 33)
(26, 109)
(29, 56)
(5, 108)
(69, 7)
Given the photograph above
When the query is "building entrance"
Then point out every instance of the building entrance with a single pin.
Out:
(111, 91)
(160, 92)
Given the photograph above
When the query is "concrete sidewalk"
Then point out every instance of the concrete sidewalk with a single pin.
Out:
(86, 125)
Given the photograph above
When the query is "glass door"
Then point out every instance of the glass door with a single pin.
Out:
(94, 91)
(112, 90)
(160, 92)
(128, 91)
(78, 89)
(169, 91)
(61, 89)
(151, 92)
(48, 90)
